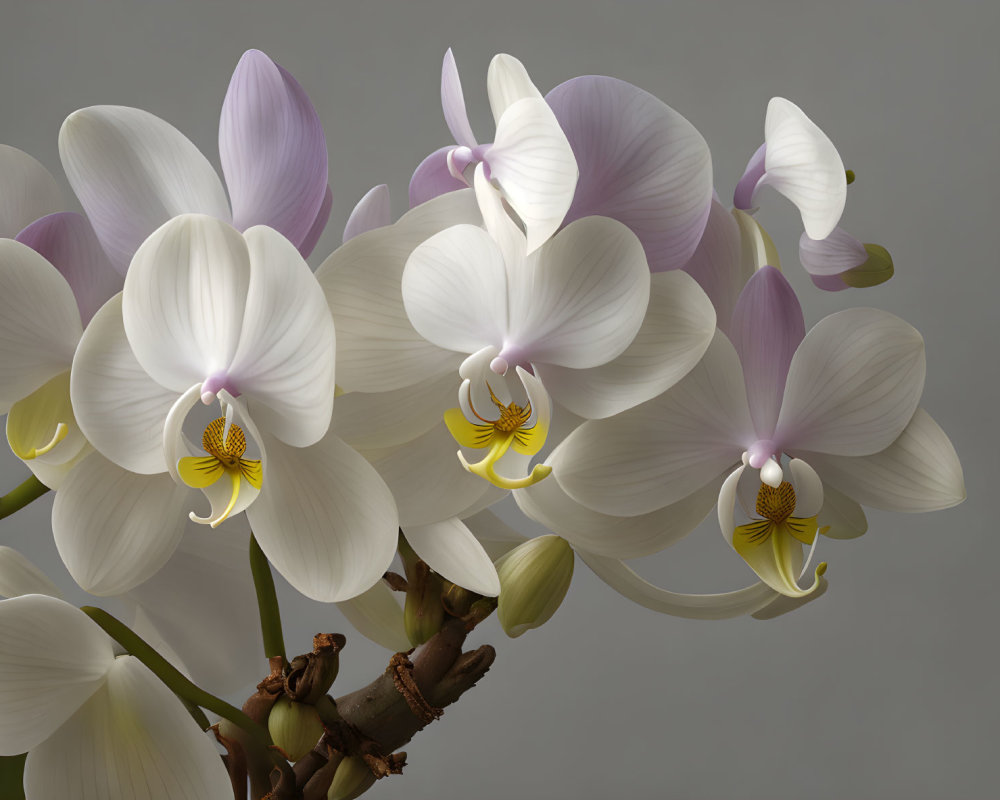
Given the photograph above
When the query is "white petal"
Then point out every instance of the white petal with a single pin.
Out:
(808, 488)
(837, 253)
(372, 211)
(52, 659)
(285, 359)
(507, 82)
(453, 102)
(132, 172)
(377, 347)
(853, 384)
(503, 229)
(325, 519)
(803, 165)
(727, 605)
(53, 475)
(533, 163)
(184, 298)
(43, 417)
(20, 576)
(663, 450)
(450, 549)
(455, 289)
(919, 471)
(29, 191)
(133, 740)
(613, 536)
(840, 517)
(583, 301)
(675, 333)
(385, 419)
(120, 409)
(114, 529)
(203, 604)
(39, 322)
(376, 615)
(495, 535)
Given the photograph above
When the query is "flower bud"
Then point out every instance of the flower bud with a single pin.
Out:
(877, 269)
(352, 779)
(295, 727)
(423, 613)
(311, 675)
(534, 579)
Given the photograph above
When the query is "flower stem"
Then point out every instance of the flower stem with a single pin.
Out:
(173, 679)
(18, 498)
(267, 603)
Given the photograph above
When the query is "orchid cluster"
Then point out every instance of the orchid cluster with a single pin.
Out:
(568, 314)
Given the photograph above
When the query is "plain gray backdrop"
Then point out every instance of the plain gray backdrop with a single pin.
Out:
(887, 687)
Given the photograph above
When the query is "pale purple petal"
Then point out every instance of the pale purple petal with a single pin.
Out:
(453, 103)
(319, 224)
(743, 197)
(640, 162)
(69, 243)
(272, 149)
(829, 283)
(767, 327)
(433, 178)
(372, 211)
(837, 253)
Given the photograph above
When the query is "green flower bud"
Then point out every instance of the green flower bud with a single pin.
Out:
(352, 779)
(423, 613)
(877, 269)
(295, 727)
(534, 579)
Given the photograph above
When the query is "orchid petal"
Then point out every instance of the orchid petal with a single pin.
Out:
(808, 488)
(433, 177)
(499, 224)
(840, 517)
(837, 253)
(919, 471)
(614, 536)
(783, 604)
(53, 659)
(727, 605)
(718, 264)
(319, 225)
(118, 406)
(19, 576)
(453, 102)
(455, 289)
(132, 172)
(675, 333)
(133, 740)
(372, 211)
(665, 449)
(29, 191)
(377, 616)
(272, 149)
(203, 603)
(378, 348)
(42, 428)
(67, 241)
(325, 519)
(583, 301)
(758, 248)
(507, 82)
(640, 162)
(39, 322)
(802, 164)
(284, 364)
(767, 327)
(496, 536)
(853, 384)
(114, 529)
(184, 300)
(450, 549)
(533, 164)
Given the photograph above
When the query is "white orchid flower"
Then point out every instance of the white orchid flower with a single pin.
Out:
(210, 314)
(530, 161)
(94, 724)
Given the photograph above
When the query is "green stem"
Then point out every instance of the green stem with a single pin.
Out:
(173, 679)
(267, 603)
(18, 498)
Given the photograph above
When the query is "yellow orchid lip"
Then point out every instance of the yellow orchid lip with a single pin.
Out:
(225, 443)
(506, 432)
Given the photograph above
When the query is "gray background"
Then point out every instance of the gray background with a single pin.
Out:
(887, 687)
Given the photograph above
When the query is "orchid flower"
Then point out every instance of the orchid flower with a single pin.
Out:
(800, 162)
(842, 398)
(132, 171)
(530, 162)
(94, 723)
(213, 315)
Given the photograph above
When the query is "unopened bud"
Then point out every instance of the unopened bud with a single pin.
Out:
(311, 675)
(877, 269)
(534, 579)
(352, 779)
(423, 613)
(456, 600)
(294, 727)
